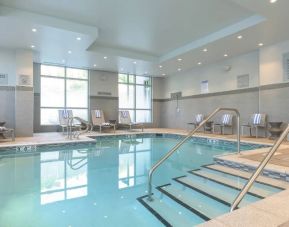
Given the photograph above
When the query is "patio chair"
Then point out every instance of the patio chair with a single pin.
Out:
(125, 120)
(98, 120)
(4, 131)
(66, 121)
(256, 120)
(226, 122)
(198, 119)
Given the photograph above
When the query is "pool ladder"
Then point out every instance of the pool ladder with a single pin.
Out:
(190, 134)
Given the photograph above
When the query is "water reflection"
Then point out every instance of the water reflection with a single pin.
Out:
(63, 175)
(134, 162)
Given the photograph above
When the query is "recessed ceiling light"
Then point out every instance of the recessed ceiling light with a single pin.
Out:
(260, 44)
(134, 62)
(32, 46)
(160, 66)
(239, 37)
(225, 55)
(163, 74)
(179, 69)
(70, 52)
(105, 57)
(179, 59)
(63, 61)
(34, 29)
(273, 1)
(78, 38)
(205, 50)
(199, 63)
(94, 65)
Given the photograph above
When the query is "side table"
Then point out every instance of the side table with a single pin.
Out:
(275, 129)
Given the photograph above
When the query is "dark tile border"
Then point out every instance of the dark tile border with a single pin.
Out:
(150, 209)
(194, 211)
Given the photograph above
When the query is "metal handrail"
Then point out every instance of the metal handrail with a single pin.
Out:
(178, 145)
(259, 169)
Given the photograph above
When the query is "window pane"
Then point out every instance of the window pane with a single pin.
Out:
(77, 73)
(143, 80)
(49, 117)
(76, 93)
(143, 95)
(49, 70)
(143, 116)
(122, 78)
(52, 92)
(126, 96)
(82, 113)
(131, 79)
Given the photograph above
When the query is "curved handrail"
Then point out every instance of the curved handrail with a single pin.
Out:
(259, 169)
(178, 145)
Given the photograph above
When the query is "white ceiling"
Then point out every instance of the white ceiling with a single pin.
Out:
(148, 33)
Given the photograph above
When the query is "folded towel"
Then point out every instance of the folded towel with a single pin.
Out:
(106, 124)
(124, 114)
(3, 129)
(65, 114)
(97, 113)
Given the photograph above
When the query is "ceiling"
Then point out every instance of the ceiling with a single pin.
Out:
(140, 37)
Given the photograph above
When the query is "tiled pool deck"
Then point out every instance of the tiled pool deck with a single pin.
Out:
(270, 212)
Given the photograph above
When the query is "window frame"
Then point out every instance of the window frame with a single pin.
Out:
(135, 84)
(65, 78)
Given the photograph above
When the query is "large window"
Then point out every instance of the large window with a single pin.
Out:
(62, 88)
(135, 95)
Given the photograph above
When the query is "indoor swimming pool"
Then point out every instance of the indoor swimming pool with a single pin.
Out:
(97, 184)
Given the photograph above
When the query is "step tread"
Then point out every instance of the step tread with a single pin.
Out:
(215, 192)
(233, 183)
(247, 175)
(168, 213)
(195, 202)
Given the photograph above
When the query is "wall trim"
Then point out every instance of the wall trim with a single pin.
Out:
(237, 91)
(103, 97)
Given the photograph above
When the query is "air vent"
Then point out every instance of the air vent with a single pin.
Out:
(104, 93)
(243, 81)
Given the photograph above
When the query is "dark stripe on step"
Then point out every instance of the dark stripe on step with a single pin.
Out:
(156, 214)
(224, 184)
(204, 193)
(201, 215)
(235, 175)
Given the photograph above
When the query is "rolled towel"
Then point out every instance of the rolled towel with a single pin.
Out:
(3, 129)
(97, 113)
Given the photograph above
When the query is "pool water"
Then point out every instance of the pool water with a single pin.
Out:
(93, 184)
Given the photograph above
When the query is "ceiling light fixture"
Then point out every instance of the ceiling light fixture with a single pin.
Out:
(239, 37)
(134, 62)
(70, 52)
(260, 44)
(205, 50)
(160, 66)
(104, 57)
(179, 59)
(94, 65)
(163, 74)
(225, 55)
(146, 73)
(273, 1)
(199, 63)
(63, 61)
(34, 30)
(78, 38)
(32, 46)
(179, 69)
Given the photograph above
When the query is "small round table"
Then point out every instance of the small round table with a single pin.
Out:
(275, 129)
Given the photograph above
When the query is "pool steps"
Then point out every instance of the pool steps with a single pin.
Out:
(206, 193)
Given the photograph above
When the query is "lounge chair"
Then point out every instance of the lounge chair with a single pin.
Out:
(198, 119)
(98, 120)
(4, 131)
(66, 119)
(257, 120)
(226, 121)
(125, 120)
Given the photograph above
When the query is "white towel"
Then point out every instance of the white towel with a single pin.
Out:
(97, 113)
(3, 129)
(257, 119)
(65, 114)
(124, 114)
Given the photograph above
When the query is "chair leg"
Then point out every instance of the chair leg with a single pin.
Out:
(256, 131)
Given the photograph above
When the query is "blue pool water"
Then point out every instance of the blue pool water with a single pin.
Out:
(90, 185)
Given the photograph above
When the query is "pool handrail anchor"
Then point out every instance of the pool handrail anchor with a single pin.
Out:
(259, 169)
(190, 134)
